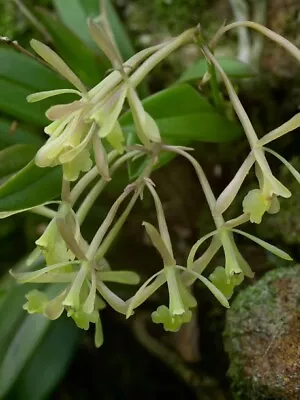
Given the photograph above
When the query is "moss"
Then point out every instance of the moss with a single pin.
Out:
(254, 339)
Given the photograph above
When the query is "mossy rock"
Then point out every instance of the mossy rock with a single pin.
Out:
(262, 338)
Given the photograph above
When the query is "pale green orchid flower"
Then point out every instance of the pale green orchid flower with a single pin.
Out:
(236, 267)
(181, 301)
(255, 203)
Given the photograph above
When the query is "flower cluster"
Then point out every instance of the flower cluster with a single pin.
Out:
(77, 270)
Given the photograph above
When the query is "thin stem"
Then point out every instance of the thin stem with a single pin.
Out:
(44, 211)
(97, 189)
(215, 90)
(210, 197)
(65, 191)
(160, 55)
(241, 219)
(139, 184)
(82, 184)
(163, 227)
(105, 245)
(105, 226)
(238, 107)
(290, 47)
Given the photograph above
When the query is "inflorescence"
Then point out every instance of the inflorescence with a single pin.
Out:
(87, 141)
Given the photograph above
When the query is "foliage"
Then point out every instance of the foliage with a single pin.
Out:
(101, 123)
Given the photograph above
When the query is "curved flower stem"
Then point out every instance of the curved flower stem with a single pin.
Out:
(163, 228)
(290, 47)
(239, 109)
(65, 191)
(241, 219)
(44, 211)
(105, 226)
(160, 55)
(242, 115)
(140, 183)
(105, 245)
(210, 197)
(82, 184)
(97, 189)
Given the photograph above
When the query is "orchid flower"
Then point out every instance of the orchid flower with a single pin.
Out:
(258, 201)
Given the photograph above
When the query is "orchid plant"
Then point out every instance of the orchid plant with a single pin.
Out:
(87, 141)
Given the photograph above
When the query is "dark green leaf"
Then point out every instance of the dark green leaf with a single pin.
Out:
(121, 36)
(11, 315)
(15, 157)
(231, 66)
(183, 114)
(13, 102)
(74, 52)
(30, 187)
(74, 14)
(49, 362)
(9, 136)
(28, 72)
(203, 127)
(21, 348)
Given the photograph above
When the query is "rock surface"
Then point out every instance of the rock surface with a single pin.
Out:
(262, 338)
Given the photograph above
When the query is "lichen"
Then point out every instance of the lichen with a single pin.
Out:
(261, 337)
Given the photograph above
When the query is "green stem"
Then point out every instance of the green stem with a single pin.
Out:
(82, 184)
(215, 90)
(97, 189)
(44, 211)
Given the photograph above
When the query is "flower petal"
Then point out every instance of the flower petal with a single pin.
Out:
(63, 110)
(194, 249)
(112, 112)
(163, 228)
(73, 297)
(32, 98)
(289, 166)
(215, 291)
(288, 126)
(159, 244)
(273, 249)
(126, 277)
(111, 298)
(145, 291)
(230, 192)
(57, 63)
(176, 306)
(89, 304)
(24, 277)
(105, 41)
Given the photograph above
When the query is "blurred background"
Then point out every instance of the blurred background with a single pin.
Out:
(40, 359)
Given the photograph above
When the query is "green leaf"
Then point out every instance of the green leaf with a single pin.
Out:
(21, 349)
(34, 75)
(48, 363)
(74, 14)
(232, 67)
(16, 86)
(183, 114)
(74, 52)
(30, 187)
(120, 34)
(20, 135)
(11, 315)
(13, 102)
(15, 157)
